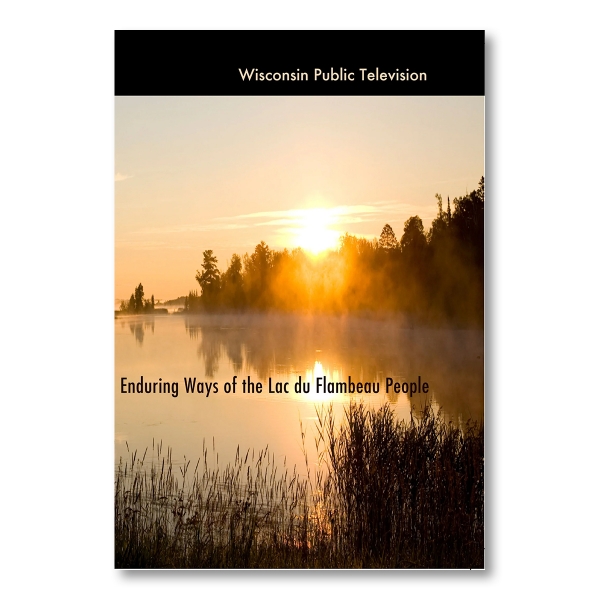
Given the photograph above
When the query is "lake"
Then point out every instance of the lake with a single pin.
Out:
(319, 352)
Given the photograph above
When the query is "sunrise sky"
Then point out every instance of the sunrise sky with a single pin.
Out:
(193, 173)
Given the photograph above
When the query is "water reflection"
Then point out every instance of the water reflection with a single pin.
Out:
(217, 348)
(137, 327)
(451, 361)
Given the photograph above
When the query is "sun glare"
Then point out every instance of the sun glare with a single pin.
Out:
(319, 372)
(313, 232)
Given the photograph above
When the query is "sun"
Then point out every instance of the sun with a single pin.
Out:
(313, 232)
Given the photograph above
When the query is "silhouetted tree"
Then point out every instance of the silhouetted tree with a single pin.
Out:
(192, 302)
(455, 271)
(441, 224)
(359, 260)
(436, 277)
(209, 279)
(467, 224)
(232, 283)
(413, 240)
(137, 304)
(387, 239)
(257, 269)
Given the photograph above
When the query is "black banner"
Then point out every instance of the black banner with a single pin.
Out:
(299, 63)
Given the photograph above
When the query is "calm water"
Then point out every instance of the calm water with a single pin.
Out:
(215, 349)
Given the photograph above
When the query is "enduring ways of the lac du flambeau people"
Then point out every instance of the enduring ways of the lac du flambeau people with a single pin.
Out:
(248, 386)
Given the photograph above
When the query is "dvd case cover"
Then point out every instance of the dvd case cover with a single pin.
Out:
(299, 299)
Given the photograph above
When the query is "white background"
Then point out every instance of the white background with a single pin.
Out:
(542, 305)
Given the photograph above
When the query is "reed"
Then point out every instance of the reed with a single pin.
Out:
(386, 494)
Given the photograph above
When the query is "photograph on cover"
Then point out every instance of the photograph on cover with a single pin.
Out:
(299, 340)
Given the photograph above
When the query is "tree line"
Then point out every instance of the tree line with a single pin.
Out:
(433, 276)
(137, 304)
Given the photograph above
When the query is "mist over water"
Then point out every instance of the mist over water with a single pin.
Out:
(215, 348)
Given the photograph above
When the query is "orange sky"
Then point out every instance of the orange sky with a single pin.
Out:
(193, 173)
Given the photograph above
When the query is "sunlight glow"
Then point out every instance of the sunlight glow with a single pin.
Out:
(312, 375)
(313, 232)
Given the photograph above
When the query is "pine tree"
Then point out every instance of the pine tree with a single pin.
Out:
(210, 278)
(387, 239)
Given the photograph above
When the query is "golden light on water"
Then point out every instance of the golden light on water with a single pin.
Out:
(312, 375)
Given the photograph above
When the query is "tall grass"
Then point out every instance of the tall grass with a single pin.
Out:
(387, 494)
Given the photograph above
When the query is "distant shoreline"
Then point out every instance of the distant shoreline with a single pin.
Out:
(215, 317)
